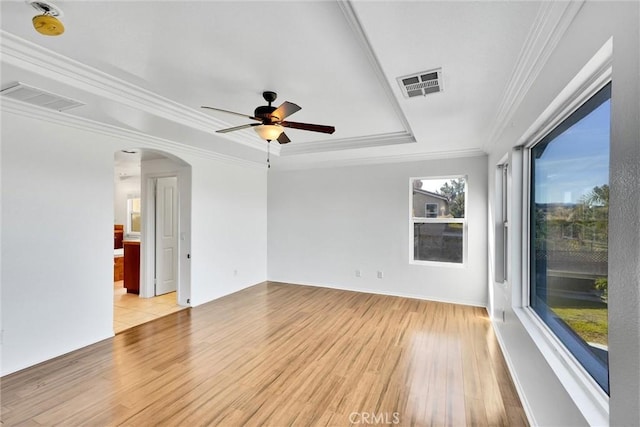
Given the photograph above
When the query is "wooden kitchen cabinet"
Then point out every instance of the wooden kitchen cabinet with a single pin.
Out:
(118, 236)
(118, 268)
(132, 266)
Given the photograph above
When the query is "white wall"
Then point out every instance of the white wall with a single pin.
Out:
(326, 223)
(57, 235)
(57, 240)
(229, 223)
(547, 399)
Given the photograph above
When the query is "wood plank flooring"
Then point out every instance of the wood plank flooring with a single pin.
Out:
(278, 354)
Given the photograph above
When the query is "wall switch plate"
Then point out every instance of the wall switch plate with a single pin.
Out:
(380, 274)
(358, 273)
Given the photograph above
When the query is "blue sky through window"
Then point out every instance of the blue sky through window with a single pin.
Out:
(576, 161)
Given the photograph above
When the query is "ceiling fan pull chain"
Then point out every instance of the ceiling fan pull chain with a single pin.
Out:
(268, 154)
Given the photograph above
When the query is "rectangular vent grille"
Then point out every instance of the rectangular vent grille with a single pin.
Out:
(421, 84)
(39, 97)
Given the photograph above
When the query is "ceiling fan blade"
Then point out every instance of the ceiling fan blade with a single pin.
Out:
(283, 138)
(285, 110)
(309, 126)
(231, 112)
(238, 127)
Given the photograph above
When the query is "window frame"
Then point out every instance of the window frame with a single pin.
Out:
(506, 212)
(571, 344)
(423, 220)
(589, 397)
(502, 223)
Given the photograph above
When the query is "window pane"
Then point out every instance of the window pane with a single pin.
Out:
(439, 198)
(135, 222)
(440, 242)
(135, 205)
(569, 231)
(133, 211)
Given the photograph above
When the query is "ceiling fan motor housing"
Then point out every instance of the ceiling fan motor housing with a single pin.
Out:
(264, 112)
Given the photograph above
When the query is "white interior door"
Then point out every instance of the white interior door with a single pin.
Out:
(166, 235)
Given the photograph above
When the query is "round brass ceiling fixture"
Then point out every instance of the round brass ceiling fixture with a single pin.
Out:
(48, 23)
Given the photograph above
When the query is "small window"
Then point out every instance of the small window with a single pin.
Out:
(133, 216)
(431, 210)
(438, 220)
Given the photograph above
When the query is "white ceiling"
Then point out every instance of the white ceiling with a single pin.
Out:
(148, 66)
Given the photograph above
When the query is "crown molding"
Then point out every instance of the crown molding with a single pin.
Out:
(140, 139)
(143, 140)
(551, 22)
(347, 143)
(32, 57)
(311, 163)
(593, 77)
(354, 23)
(403, 137)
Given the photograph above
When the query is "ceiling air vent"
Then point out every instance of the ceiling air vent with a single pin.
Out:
(39, 97)
(421, 84)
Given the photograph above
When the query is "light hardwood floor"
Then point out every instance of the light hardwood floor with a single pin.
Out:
(130, 310)
(278, 354)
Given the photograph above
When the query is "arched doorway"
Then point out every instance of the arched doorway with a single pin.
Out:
(156, 222)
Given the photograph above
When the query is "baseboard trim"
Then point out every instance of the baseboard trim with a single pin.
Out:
(71, 349)
(391, 294)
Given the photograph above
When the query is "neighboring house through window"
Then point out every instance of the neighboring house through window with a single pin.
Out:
(438, 220)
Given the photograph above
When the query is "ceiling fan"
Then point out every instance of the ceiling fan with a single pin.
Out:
(271, 121)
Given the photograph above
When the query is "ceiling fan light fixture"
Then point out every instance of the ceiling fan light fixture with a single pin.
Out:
(269, 132)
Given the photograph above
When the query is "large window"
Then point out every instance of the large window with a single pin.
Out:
(438, 219)
(568, 229)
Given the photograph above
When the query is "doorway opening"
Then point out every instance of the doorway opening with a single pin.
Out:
(152, 211)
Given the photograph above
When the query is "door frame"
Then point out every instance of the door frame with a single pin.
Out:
(150, 173)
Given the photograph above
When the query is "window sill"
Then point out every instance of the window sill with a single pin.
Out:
(589, 398)
(438, 264)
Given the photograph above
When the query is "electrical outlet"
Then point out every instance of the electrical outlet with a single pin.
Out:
(358, 273)
(235, 272)
(380, 274)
